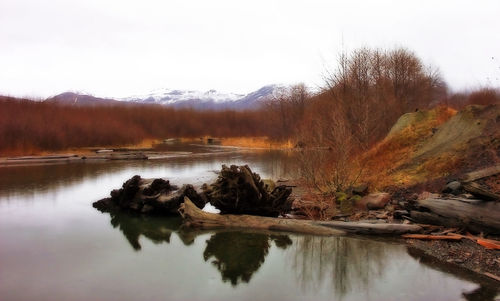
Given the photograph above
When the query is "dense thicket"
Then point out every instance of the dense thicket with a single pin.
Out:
(27, 125)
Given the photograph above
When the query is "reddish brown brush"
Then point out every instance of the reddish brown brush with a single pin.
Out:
(27, 126)
(479, 96)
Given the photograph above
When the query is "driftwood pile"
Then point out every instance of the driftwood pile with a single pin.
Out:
(467, 205)
(149, 196)
(246, 201)
(196, 218)
(237, 190)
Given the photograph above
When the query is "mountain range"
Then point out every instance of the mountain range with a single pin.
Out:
(208, 100)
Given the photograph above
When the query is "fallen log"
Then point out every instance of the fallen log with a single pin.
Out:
(492, 276)
(487, 243)
(19, 162)
(194, 217)
(480, 192)
(61, 156)
(477, 217)
(434, 219)
(369, 228)
(446, 232)
(431, 237)
(482, 173)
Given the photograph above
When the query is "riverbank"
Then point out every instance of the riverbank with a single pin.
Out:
(153, 144)
(149, 149)
(450, 246)
(464, 254)
(374, 215)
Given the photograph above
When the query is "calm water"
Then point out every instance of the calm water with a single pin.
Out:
(55, 246)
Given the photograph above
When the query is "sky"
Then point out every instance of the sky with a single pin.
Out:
(118, 48)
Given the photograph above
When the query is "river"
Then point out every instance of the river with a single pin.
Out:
(55, 246)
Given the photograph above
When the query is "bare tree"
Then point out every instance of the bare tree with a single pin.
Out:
(362, 99)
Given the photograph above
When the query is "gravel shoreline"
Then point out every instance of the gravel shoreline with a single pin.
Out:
(464, 254)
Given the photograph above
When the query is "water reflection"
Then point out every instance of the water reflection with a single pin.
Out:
(345, 266)
(348, 263)
(482, 293)
(238, 255)
(47, 223)
(487, 291)
(156, 229)
(28, 181)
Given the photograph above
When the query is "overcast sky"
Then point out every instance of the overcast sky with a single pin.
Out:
(118, 48)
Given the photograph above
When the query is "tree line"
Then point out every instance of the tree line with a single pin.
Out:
(355, 107)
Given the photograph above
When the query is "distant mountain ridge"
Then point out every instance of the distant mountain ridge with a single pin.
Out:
(71, 98)
(209, 100)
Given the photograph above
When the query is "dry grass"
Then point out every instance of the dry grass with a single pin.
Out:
(256, 142)
(315, 206)
(381, 163)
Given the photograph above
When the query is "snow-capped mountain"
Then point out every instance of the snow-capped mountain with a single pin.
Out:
(211, 99)
(208, 100)
(170, 97)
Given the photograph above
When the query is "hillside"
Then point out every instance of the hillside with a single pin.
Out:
(430, 147)
(71, 98)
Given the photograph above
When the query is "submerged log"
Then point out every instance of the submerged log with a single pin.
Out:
(194, 217)
(477, 216)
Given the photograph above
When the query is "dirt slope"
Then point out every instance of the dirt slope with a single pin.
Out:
(435, 145)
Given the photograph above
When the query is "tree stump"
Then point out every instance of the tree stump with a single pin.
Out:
(238, 190)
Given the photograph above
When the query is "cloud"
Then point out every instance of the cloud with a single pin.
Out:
(118, 48)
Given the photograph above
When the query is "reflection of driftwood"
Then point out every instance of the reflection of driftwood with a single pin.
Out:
(479, 216)
(133, 226)
(238, 190)
(194, 217)
(237, 255)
